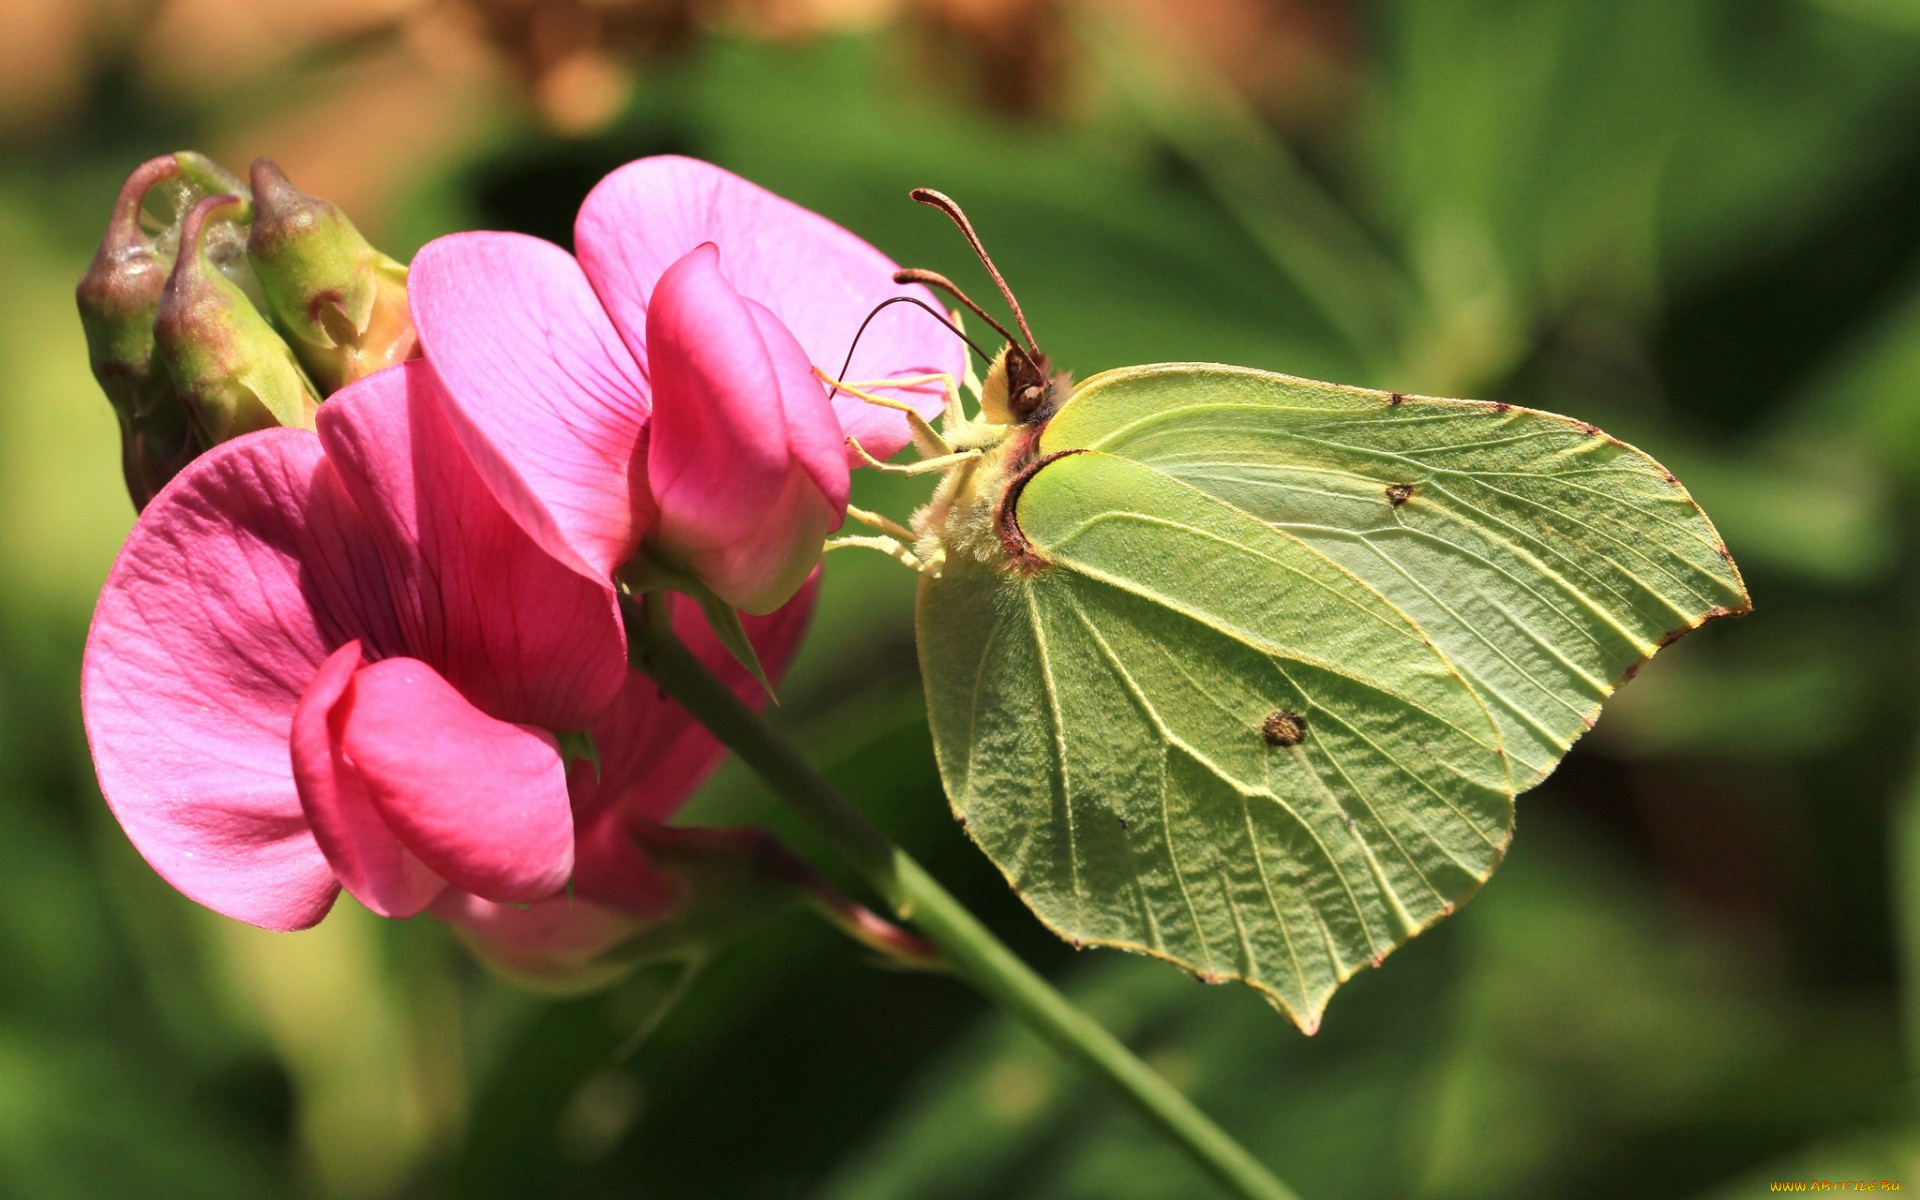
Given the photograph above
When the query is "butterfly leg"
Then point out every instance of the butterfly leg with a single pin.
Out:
(923, 467)
(925, 439)
(946, 382)
(884, 524)
(952, 413)
(891, 547)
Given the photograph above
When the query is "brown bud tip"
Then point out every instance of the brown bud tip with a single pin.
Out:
(118, 298)
(127, 273)
(282, 211)
(122, 299)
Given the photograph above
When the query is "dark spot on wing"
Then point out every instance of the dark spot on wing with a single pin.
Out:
(1399, 493)
(1396, 398)
(1283, 727)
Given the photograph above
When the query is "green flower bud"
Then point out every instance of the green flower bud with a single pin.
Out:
(229, 367)
(118, 297)
(341, 303)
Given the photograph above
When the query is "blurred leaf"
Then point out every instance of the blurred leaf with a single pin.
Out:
(1576, 1025)
(1870, 396)
(66, 508)
(1804, 508)
(1794, 688)
(335, 1015)
(1891, 1156)
(1904, 850)
(1536, 153)
(1891, 14)
(1550, 125)
(82, 1119)
(1306, 235)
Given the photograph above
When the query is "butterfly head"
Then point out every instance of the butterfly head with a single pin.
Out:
(1020, 387)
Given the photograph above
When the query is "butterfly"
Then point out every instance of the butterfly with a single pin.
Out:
(1244, 671)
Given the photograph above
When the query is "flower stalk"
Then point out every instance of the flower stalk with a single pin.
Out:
(915, 896)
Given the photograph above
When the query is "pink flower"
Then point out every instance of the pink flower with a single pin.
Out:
(331, 659)
(699, 300)
(341, 658)
(652, 758)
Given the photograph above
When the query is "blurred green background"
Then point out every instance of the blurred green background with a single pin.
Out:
(1691, 221)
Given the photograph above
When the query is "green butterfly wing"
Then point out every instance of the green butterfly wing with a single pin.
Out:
(1544, 558)
(1257, 700)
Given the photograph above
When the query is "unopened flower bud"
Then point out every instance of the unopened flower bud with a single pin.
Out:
(118, 297)
(230, 368)
(342, 303)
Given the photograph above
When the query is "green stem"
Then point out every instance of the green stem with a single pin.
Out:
(976, 954)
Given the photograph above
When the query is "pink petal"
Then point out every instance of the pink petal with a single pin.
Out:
(366, 857)
(813, 435)
(744, 459)
(819, 279)
(547, 399)
(610, 869)
(653, 755)
(552, 944)
(238, 581)
(522, 636)
(481, 802)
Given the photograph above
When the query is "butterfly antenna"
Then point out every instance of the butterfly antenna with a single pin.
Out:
(936, 280)
(945, 204)
(918, 303)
